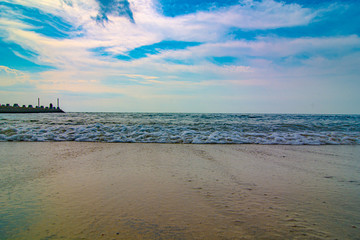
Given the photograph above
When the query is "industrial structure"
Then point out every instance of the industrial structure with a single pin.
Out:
(15, 108)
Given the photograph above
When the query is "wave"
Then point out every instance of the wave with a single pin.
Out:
(183, 128)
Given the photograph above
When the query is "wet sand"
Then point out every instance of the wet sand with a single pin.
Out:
(70, 190)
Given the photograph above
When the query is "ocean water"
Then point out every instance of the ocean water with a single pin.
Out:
(194, 128)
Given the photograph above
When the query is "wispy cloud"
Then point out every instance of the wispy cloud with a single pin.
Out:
(9, 76)
(11, 71)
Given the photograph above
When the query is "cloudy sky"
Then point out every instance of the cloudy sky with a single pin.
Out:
(241, 56)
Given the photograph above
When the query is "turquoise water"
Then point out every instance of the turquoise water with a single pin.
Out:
(182, 128)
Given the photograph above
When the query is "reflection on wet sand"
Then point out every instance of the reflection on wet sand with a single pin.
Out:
(174, 191)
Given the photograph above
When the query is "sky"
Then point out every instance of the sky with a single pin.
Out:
(233, 56)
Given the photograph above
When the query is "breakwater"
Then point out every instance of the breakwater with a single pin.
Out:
(29, 109)
(15, 108)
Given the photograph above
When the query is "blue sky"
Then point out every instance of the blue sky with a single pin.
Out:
(250, 56)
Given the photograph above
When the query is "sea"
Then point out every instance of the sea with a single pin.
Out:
(191, 128)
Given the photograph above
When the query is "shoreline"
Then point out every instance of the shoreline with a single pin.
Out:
(95, 190)
(183, 143)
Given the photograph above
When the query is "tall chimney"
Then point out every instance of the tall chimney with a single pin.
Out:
(38, 102)
(58, 103)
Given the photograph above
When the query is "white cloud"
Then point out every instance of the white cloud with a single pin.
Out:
(210, 26)
(11, 71)
(258, 15)
(120, 35)
(10, 76)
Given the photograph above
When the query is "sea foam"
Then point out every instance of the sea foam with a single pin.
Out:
(182, 128)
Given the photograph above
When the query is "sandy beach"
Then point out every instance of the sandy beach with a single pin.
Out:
(71, 190)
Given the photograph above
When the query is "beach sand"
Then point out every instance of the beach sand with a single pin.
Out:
(71, 190)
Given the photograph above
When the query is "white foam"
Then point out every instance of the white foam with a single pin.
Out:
(185, 128)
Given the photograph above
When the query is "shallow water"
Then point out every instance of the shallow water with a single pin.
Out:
(74, 190)
(289, 129)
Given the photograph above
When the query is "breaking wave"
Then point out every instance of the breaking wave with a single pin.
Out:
(182, 128)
